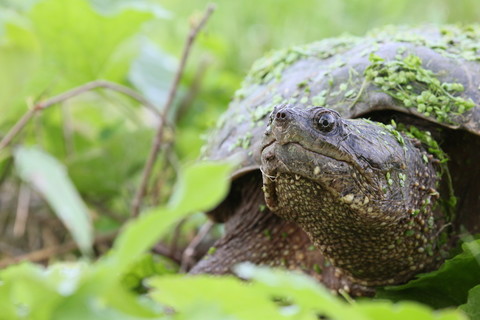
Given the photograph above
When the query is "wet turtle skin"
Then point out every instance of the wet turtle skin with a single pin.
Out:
(367, 198)
(402, 191)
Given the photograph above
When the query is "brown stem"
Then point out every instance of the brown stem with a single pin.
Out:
(192, 90)
(68, 95)
(46, 253)
(165, 251)
(68, 131)
(17, 128)
(190, 250)
(157, 142)
(22, 211)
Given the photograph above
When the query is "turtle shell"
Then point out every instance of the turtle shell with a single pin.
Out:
(431, 74)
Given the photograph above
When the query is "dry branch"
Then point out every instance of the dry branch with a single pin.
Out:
(68, 95)
(158, 140)
(49, 252)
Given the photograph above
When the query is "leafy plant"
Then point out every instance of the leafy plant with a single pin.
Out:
(89, 151)
(85, 290)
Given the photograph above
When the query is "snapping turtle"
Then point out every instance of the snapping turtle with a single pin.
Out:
(358, 157)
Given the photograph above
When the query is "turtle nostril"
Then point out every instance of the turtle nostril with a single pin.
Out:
(281, 115)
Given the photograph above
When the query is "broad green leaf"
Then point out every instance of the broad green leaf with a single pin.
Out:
(107, 7)
(79, 42)
(50, 178)
(472, 307)
(276, 294)
(28, 291)
(152, 72)
(104, 301)
(69, 291)
(447, 286)
(19, 55)
(380, 310)
(223, 295)
(199, 187)
(313, 298)
(307, 294)
(115, 154)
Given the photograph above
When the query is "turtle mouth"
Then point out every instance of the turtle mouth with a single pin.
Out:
(295, 160)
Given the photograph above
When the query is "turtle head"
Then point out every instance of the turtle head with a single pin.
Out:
(351, 185)
(355, 161)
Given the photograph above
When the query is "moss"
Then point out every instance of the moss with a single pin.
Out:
(243, 142)
(405, 78)
(272, 65)
(392, 129)
(320, 99)
(453, 41)
(414, 86)
(426, 138)
(447, 202)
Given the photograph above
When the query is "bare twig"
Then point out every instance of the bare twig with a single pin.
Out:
(46, 253)
(67, 131)
(193, 89)
(190, 250)
(176, 235)
(157, 142)
(165, 251)
(22, 211)
(17, 128)
(68, 95)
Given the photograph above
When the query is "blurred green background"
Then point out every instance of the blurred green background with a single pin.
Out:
(49, 46)
(103, 138)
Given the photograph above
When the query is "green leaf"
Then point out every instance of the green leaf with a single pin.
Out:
(28, 291)
(102, 154)
(152, 72)
(18, 57)
(225, 295)
(202, 187)
(50, 178)
(447, 286)
(380, 310)
(79, 42)
(107, 7)
(472, 307)
(275, 294)
(304, 292)
(199, 187)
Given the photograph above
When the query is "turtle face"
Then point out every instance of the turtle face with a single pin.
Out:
(351, 185)
(353, 160)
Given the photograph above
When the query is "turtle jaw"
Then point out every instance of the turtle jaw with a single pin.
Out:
(295, 160)
(269, 168)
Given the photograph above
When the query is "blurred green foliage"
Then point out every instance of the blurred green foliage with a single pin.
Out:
(103, 137)
(48, 46)
(109, 288)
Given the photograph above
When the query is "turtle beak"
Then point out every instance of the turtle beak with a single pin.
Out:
(270, 193)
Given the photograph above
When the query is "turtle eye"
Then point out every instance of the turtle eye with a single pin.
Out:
(326, 122)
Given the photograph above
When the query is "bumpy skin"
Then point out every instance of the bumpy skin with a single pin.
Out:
(365, 197)
(256, 235)
(333, 73)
